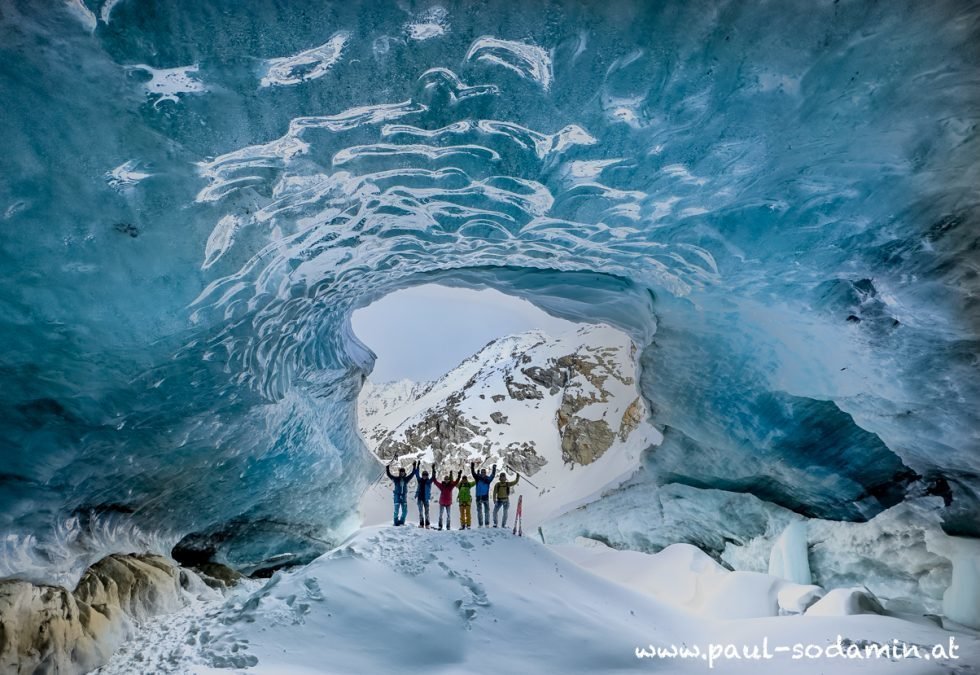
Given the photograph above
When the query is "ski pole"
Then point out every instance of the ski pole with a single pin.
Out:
(516, 473)
(384, 472)
(377, 480)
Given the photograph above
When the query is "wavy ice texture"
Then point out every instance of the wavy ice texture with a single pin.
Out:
(85, 12)
(527, 60)
(305, 66)
(430, 24)
(166, 84)
(778, 200)
(125, 175)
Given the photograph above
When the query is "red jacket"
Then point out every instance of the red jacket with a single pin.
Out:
(446, 490)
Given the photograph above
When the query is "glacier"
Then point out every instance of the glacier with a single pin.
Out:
(777, 201)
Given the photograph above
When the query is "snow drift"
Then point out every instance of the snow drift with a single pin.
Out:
(777, 202)
(484, 601)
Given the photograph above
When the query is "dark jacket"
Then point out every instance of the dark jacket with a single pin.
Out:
(423, 490)
(482, 482)
(401, 484)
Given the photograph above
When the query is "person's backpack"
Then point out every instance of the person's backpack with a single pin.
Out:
(501, 490)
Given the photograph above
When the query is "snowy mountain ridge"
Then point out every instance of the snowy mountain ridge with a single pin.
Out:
(545, 406)
(377, 400)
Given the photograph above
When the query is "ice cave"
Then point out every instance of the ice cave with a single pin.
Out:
(750, 413)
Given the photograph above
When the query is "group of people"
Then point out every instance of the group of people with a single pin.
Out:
(478, 488)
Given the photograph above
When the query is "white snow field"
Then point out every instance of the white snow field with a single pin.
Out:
(407, 600)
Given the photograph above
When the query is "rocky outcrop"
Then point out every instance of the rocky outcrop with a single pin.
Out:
(48, 629)
(584, 441)
(443, 429)
(218, 576)
(141, 586)
(582, 382)
(631, 418)
(522, 391)
(552, 379)
(523, 458)
(45, 629)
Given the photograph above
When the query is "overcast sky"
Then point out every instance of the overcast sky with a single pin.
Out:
(423, 332)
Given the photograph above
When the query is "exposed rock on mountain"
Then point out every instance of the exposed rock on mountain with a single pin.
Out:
(531, 369)
(541, 405)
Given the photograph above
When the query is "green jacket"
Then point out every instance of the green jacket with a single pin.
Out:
(464, 492)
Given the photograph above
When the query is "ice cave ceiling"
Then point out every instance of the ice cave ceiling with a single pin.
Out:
(780, 199)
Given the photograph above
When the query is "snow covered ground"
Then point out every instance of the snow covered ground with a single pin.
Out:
(483, 601)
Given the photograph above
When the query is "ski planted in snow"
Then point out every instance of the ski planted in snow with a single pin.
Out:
(518, 521)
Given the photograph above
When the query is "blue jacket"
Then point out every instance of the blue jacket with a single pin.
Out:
(423, 492)
(482, 483)
(401, 484)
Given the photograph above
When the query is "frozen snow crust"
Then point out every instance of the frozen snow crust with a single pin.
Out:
(777, 199)
(409, 600)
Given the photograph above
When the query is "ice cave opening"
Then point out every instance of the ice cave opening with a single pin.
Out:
(467, 379)
(422, 332)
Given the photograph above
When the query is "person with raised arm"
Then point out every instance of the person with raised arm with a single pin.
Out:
(501, 496)
(423, 493)
(400, 492)
(482, 493)
(446, 487)
(465, 499)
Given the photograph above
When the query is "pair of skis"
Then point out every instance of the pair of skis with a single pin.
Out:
(518, 524)
(518, 517)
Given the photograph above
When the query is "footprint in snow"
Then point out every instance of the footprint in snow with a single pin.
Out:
(313, 591)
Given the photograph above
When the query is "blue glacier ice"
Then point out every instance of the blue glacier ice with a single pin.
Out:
(777, 200)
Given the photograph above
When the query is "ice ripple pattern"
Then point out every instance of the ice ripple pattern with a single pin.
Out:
(786, 192)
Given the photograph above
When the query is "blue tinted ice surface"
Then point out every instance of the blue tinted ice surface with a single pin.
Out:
(778, 200)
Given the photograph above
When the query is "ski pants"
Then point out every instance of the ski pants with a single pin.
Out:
(423, 512)
(401, 505)
(496, 509)
(447, 509)
(465, 518)
(483, 510)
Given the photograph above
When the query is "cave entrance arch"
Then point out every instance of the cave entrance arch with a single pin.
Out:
(546, 386)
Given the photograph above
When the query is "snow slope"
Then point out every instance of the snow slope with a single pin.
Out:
(408, 600)
(380, 400)
(541, 404)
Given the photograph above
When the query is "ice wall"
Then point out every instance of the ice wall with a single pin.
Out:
(789, 559)
(195, 195)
